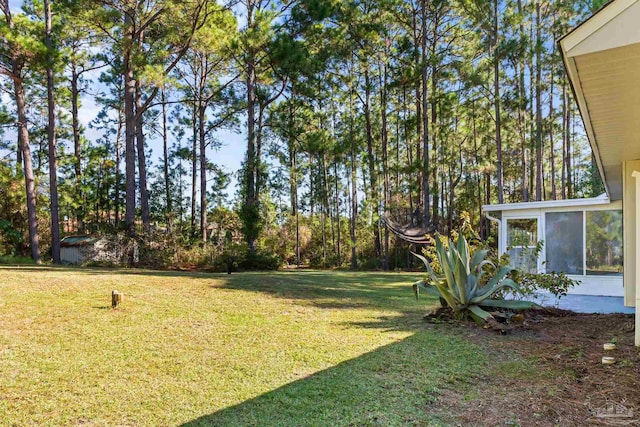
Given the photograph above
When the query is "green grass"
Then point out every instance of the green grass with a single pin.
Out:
(265, 349)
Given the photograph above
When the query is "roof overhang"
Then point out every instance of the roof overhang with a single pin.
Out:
(601, 200)
(602, 60)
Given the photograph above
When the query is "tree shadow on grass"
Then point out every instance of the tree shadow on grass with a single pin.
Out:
(110, 270)
(331, 289)
(326, 289)
(393, 385)
(333, 278)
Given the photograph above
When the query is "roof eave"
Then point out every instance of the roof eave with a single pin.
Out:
(573, 39)
(549, 204)
(572, 73)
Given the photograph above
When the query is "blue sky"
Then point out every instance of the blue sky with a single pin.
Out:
(229, 156)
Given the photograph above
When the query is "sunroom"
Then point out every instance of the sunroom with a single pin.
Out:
(580, 237)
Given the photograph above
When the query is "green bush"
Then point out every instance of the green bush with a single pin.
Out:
(10, 238)
(11, 259)
(231, 257)
(557, 284)
(238, 257)
(260, 261)
(372, 263)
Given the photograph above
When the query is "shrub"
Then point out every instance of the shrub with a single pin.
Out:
(231, 257)
(236, 256)
(10, 238)
(260, 261)
(557, 284)
(12, 259)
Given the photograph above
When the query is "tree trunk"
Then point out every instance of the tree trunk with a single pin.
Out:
(142, 161)
(250, 196)
(293, 182)
(426, 189)
(552, 148)
(326, 210)
(338, 225)
(354, 206)
(434, 116)
(130, 127)
(538, 47)
(354, 190)
(417, 41)
(373, 175)
(385, 159)
(563, 175)
(51, 136)
(496, 102)
(568, 154)
(194, 169)
(165, 164)
(118, 174)
(203, 171)
(24, 148)
(522, 114)
(75, 126)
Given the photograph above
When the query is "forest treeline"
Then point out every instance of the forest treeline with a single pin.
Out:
(419, 110)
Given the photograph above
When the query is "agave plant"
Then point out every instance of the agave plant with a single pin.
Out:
(461, 284)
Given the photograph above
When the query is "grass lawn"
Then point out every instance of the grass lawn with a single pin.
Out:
(266, 349)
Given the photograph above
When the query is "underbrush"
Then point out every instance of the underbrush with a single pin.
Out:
(12, 259)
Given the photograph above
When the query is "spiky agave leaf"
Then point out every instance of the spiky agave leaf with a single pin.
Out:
(438, 283)
(487, 291)
(472, 286)
(458, 267)
(509, 304)
(480, 271)
(479, 315)
(432, 290)
(433, 275)
(479, 259)
(500, 275)
(463, 252)
(444, 257)
(461, 271)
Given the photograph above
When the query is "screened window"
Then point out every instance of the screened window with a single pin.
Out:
(522, 237)
(564, 242)
(604, 243)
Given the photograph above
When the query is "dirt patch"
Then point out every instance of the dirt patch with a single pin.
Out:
(557, 377)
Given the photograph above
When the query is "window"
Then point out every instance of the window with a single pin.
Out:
(522, 238)
(564, 242)
(604, 243)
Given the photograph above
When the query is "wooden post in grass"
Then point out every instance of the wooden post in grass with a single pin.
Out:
(116, 298)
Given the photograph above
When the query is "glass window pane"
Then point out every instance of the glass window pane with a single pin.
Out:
(604, 242)
(522, 237)
(524, 259)
(564, 242)
(522, 232)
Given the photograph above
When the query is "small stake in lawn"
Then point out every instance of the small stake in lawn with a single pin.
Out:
(116, 298)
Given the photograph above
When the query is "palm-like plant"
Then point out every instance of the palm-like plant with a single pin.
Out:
(461, 284)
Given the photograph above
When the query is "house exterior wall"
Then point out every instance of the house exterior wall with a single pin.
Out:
(629, 202)
(72, 255)
(600, 285)
(635, 182)
(102, 251)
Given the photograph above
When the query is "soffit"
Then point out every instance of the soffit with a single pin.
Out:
(607, 85)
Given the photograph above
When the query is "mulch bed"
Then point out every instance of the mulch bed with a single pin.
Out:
(570, 385)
